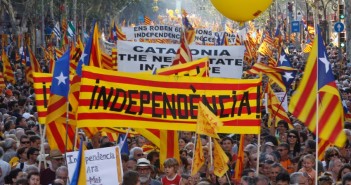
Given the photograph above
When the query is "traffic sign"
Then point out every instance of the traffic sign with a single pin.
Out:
(295, 26)
(339, 27)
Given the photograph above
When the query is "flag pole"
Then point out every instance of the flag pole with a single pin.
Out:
(195, 141)
(315, 13)
(211, 153)
(75, 139)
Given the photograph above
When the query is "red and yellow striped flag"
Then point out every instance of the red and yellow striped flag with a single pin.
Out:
(240, 117)
(322, 147)
(95, 54)
(2, 81)
(56, 135)
(9, 75)
(34, 64)
(199, 158)
(58, 53)
(152, 135)
(237, 40)
(147, 20)
(169, 147)
(121, 35)
(106, 61)
(114, 59)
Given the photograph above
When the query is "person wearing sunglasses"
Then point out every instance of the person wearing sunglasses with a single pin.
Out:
(283, 149)
(330, 153)
(294, 143)
(24, 141)
(136, 153)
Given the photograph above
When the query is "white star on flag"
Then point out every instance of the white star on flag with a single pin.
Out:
(325, 61)
(83, 56)
(61, 79)
(282, 59)
(288, 76)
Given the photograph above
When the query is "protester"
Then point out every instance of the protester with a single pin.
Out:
(48, 175)
(144, 169)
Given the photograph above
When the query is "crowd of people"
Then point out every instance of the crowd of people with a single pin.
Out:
(284, 155)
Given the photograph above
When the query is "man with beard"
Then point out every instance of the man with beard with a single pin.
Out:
(144, 170)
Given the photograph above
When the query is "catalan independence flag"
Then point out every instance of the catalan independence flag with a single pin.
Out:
(79, 175)
(330, 110)
(274, 73)
(57, 106)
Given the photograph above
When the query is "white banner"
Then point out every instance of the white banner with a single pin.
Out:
(103, 165)
(206, 36)
(202, 36)
(71, 158)
(152, 32)
(225, 61)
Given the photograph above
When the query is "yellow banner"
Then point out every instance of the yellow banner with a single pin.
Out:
(117, 99)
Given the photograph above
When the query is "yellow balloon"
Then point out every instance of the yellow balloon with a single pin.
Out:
(241, 10)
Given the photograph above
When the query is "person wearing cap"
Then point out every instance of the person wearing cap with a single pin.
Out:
(144, 169)
(48, 175)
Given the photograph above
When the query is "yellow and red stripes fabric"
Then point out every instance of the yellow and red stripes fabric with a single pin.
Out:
(106, 61)
(34, 62)
(114, 59)
(9, 75)
(179, 86)
(330, 111)
(169, 147)
(95, 54)
(121, 35)
(2, 81)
